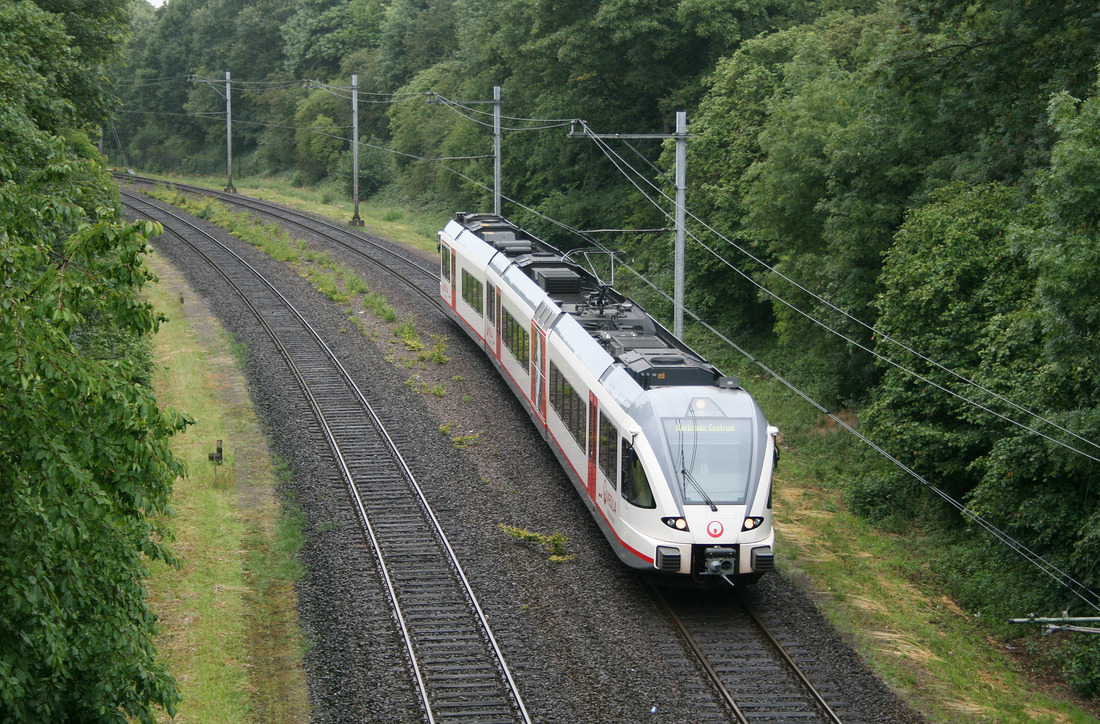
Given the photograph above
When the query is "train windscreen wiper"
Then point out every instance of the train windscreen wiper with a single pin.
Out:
(691, 479)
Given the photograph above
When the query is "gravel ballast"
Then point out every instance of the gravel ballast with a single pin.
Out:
(584, 638)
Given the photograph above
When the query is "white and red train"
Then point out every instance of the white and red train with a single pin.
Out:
(673, 460)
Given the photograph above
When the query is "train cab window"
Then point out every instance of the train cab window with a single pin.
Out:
(609, 450)
(714, 457)
(473, 291)
(636, 490)
(444, 262)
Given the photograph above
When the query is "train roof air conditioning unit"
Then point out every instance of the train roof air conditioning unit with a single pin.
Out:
(558, 281)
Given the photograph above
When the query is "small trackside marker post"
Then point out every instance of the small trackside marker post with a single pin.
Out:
(216, 458)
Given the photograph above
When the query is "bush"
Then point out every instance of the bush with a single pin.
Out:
(376, 170)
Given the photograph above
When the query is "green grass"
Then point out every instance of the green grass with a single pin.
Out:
(229, 631)
(554, 543)
(417, 229)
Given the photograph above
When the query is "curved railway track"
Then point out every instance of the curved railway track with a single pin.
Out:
(421, 277)
(758, 676)
(458, 667)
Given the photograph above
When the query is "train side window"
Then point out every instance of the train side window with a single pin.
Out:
(609, 453)
(568, 404)
(472, 291)
(636, 490)
(515, 338)
(444, 262)
(491, 311)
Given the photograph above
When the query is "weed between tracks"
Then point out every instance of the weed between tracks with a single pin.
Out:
(554, 543)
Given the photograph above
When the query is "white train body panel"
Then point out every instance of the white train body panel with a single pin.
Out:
(673, 461)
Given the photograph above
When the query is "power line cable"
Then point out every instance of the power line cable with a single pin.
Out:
(149, 81)
(610, 152)
(454, 106)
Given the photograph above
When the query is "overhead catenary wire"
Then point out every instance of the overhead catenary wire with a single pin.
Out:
(150, 81)
(1095, 458)
(455, 106)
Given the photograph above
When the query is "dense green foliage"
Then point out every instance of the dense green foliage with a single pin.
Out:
(907, 179)
(85, 468)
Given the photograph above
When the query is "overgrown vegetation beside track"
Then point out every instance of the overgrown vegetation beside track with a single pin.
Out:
(229, 629)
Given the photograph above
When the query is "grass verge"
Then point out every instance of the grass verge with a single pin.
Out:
(228, 621)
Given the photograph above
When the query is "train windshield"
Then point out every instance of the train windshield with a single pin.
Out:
(713, 458)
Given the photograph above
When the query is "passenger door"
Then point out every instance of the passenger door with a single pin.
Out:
(607, 494)
(492, 323)
(538, 371)
(447, 274)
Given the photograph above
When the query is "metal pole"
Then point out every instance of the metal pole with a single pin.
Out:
(681, 186)
(355, 220)
(681, 137)
(496, 150)
(229, 135)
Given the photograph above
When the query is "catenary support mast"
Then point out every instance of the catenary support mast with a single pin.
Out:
(681, 137)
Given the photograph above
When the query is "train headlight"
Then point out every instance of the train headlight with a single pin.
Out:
(676, 523)
(752, 523)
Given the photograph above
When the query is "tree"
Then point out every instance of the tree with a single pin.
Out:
(1039, 490)
(415, 35)
(85, 467)
(959, 292)
(829, 189)
(318, 138)
(990, 66)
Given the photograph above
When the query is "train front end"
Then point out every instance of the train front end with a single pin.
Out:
(715, 452)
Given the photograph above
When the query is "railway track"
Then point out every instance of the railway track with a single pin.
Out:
(420, 276)
(457, 665)
(759, 676)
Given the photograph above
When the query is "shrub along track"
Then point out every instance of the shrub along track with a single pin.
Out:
(585, 640)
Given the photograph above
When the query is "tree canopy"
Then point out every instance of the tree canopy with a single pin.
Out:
(85, 468)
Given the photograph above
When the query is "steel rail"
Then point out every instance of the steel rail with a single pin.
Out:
(822, 707)
(700, 655)
(314, 225)
(345, 469)
(795, 668)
